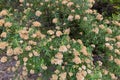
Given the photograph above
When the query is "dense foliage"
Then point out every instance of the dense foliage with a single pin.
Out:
(59, 40)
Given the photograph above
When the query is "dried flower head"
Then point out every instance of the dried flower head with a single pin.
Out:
(32, 71)
(3, 59)
(77, 60)
(50, 32)
(77, 17)
(3, 35)
(36, 24)
(24, 73)
(23, 34)
(109, 31)
(117, 61)
(9, 52)
(55, 20)
(28, 48)
(58, 33)
(3, 45)
(63, 48)
(21, 1)
(63, 76)
(2, 21)
(54, 77)
(8, 24)
(4, 12)
(70, 18)
(38, 13)
(18, 51)
(59, 55)
(43, 67)
(67, 31)
(99, 17)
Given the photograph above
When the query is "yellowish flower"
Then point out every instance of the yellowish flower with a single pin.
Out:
(79, 76)
(113, 76)
(32, 71)
(32, 42)
(70, 74)
(2, 21)
(77, 17)
(105, 71)
(109, 31)
(8, 24)
(38, 13)
(118, 37)
(63, 48)
(69, 4)
(28, 48)
(18, 51)
(59, 55)
(51, 32)
(24, 73)
(77, 60)
(84, 51)
(35, 53)
(36, 24)
(101, 26)
(4, 13)
(25, 59)
(99, 17)
(117, 61)
(3, 45)
(67, 31)
(118, 44)
(96, 30)
(9, 52)
(21, 1)
(75, 52)
(55, 20)
(63, 76)
(3, 35)
(24, 34)
(30, 54)
(57, 61)
(70, 18)
(54, 77)
(3, 59)
(43, 67)
(58, 33)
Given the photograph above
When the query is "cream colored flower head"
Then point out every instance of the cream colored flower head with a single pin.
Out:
(3, 59)
(24, 34)
(3, 35)
(38, 13)
(21, 1)
(67, 31)
(36, 24)
(58, 33)
(70, 18)
(3, 45)
(18, 50)
(77, 17)
(8, 24)
(2, 21)
(55, 20)
(4, 12)
(59, 55)
(50, 32)
(77, 60)
(63, 48)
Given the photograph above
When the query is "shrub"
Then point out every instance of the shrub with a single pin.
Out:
(59, 39)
